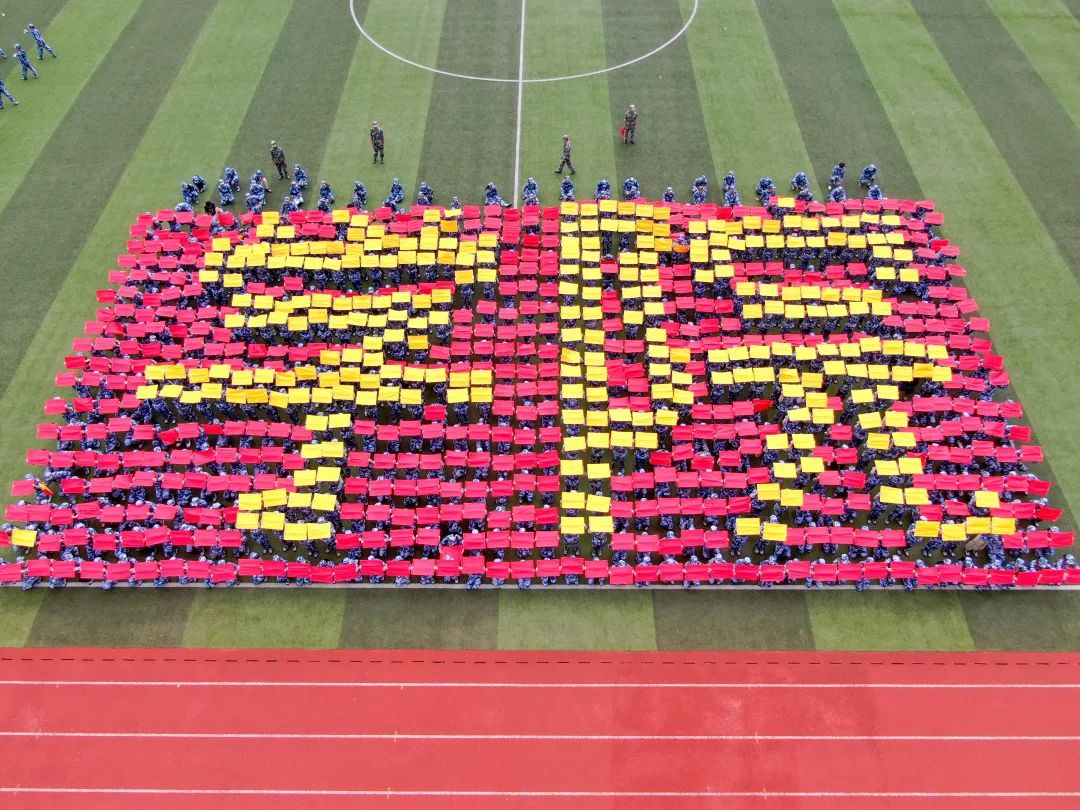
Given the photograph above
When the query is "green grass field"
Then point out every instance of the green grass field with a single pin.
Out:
(973, 103)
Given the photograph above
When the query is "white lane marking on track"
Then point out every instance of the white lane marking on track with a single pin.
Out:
(543, 80)
(520, 91)
(185, 735)
(528, 685)
(556, 794)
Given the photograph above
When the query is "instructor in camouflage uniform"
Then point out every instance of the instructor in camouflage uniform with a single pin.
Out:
(377, 141)
(629, 125)
(277, 155)
(566, 156)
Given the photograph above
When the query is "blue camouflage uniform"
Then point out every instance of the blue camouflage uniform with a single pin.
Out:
(225, 192)
(326, 193)
(531, 191)
(24, 62)
(426, 194)
(397, 194)
(232, 177)
(5, 92)
(566, 191)
(631, 188)
(359, 197)
(669, 195)
(836, 177)
(491, 196)
(603, 190)
(700, 191)
(869, 174)
(300, 176)
(39, 40)
(874, 193)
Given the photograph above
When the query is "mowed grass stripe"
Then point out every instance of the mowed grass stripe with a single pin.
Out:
(566, 39)
(41, 13)
(469, 136)
(840, 115)
(25, 130)
(841, 118)
(738, 619)
(620, 619)
(1017, 274)
(58, 201)
(420, 619)
(126, 617)
(380, 88)
(672, 142)
(1050, 39)
(297, 97)
(844, 619)
(294, 619)
(751, 125)
(180, 141)
(18, 609)
(751, 129)
(1010, 97)
(1038, 620)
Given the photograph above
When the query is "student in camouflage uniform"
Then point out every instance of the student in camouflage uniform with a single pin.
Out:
(277, 155)
(377, 142)
(566, 156)
(630, 125)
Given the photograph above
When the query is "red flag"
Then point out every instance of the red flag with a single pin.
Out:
(622, 132)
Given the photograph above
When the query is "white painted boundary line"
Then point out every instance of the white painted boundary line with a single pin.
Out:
(553, 794)
(546, 79)
(520, 92)
(532, 685)
(184, 735)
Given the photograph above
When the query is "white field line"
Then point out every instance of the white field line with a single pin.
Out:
(530, 685)
(520, 92)
(184, 735)
(551, 794)
(503, 80)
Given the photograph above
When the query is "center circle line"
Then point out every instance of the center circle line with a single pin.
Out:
(548, 79)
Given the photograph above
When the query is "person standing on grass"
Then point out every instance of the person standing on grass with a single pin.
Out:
(629, 125)
(566, 161)
(42, 45)
(277, 154)
(378, 140)
(24, 62)
(5, 92)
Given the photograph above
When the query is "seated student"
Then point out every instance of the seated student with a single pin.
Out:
(359, 198)
(491, 196)
(699, 192)
(868, 176)
(300, 176)
(566, 190)
(225, 192)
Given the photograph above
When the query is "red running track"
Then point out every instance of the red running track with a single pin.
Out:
(193, 728)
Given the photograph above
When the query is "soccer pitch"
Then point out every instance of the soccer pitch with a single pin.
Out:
(145, 94)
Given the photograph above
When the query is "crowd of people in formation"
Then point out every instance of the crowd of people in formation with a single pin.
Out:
(563, 455)
(258, 189)
(26, 66)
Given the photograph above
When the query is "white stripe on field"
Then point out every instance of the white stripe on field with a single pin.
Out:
(194, 735)
(528, 685)
(520, 92)
(556, 794)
